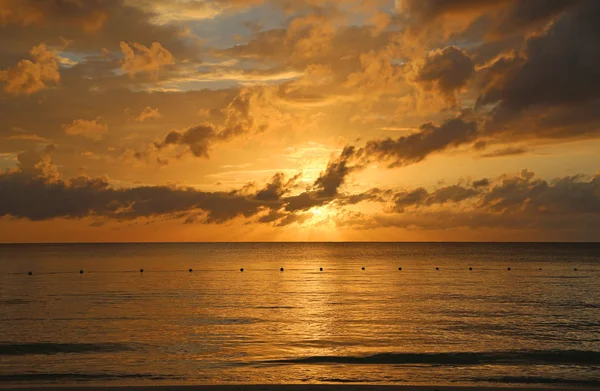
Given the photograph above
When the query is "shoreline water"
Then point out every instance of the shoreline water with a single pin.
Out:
(291, 387)
(463, 316)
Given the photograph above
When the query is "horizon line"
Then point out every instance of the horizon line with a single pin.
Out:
(312, 242)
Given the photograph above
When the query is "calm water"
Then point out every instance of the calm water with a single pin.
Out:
(115, 325)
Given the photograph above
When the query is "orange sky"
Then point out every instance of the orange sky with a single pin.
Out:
(228, 120)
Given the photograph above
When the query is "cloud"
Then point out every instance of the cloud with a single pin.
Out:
(250, 111)
(549, 87)
(87, 15)
(36, 179)
(497, 17)
(524, 14)
(143, 59)
(421, 197)
(510, 202)
(417, 146)
(565, 208)
(328, 183)
(29, 76)
(532, 81)
(148, 113)
(508, 151)
(168, 11)
(278, 187)
(446, 70)
(484, 182)
(197, 140)
(93, 129)
(427, 11)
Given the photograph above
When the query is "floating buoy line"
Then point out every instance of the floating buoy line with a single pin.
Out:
(281, 269)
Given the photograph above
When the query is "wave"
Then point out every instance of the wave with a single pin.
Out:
(20, 349)
(527, 357)
(539, 380)
(57, 377)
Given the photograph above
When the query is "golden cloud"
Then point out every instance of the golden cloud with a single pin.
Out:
(94, 129)
(29, 76)
(143, 59)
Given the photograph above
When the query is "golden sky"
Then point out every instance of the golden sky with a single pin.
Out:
(260, 120)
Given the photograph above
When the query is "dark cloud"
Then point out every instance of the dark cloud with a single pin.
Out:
(558, 70)
(89, 15)
(509, 151)
(416, 147)
(481, 183)
(335, 174)
(527, 13)
(36, 179)
(497, 16)
(566, 208)
(197, 139)
(452, 194)
(304, 201)
(371, 195)
(525, 194)
(274, 190)
(421, 197)
(446, 70)
(410, 198)
(242, 116)
(425, 11)
(509, 202)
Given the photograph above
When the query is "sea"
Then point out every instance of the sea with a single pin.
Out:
(483, 314)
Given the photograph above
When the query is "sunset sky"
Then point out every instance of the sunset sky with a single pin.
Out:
(285, 120)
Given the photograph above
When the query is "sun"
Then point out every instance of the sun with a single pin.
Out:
(320, 215)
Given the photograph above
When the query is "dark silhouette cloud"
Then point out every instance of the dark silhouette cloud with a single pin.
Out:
(446, 70)
(274, 190)
(557, 71)
(197, 139)
(36, 179)
(240, 117)
(502, 16)
(421, 197)
(335, 174)
(567, 208)
(525, 13)
(416, 147)
(481, 183)
(509, 151)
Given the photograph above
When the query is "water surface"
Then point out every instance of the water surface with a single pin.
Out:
(115, 325)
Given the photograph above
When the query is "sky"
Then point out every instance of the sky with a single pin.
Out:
(299, 120)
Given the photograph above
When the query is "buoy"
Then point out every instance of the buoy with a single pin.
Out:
(399, 268)
(241, 269)
(81, 272)
(508, 269)
(280, 269)
(363, 268)
(470, 268)
(141, 270)
(320, 269)
(30, 273)
(190, 270)
(437, 268)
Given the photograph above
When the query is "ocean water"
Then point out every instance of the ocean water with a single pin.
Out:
(113, 325)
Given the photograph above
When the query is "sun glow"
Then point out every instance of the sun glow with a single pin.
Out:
(321, 215)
